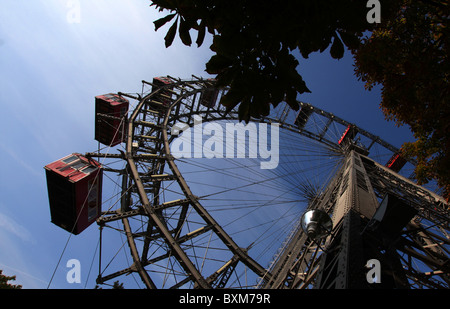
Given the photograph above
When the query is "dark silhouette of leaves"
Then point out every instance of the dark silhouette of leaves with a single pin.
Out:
(201, 34)
(337, 48)
(184, 32)
(254, 42)
(162, 21)
(408, 56)
(4, 284)
(170, 36)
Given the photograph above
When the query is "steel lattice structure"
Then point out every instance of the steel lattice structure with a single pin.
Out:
(175, 241)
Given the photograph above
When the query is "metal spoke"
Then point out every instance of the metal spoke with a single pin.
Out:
(214, 223)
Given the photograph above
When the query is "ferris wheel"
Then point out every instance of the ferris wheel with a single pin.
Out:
(198, 199)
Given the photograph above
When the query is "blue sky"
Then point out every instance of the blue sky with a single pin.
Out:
(50, 72)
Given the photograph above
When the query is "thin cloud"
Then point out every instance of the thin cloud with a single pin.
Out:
(11, 226)
(21, 162)
(23, 278)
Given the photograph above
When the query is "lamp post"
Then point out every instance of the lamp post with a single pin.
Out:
(316, 224)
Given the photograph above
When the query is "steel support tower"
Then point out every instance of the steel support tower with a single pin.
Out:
(399, 233)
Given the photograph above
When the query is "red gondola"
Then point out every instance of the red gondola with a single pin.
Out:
(163, 97)
(348, 135)
(396, 162)
(74, 185)
(110, 110)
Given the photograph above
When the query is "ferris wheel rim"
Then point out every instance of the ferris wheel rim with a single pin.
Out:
(172, 164)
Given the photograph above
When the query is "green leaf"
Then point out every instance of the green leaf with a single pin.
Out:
(201, 34)
(165, 4)
(226, 45)
(217, 64)
(162, 21)
(337, 49)
(226, 76)
(350, 40)
(300, 84)
(260, 105)
(184, 32)
(231, 99)
(291, 99)
(243, 111)
(170, 36)
(324, 43)
(276, 93)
